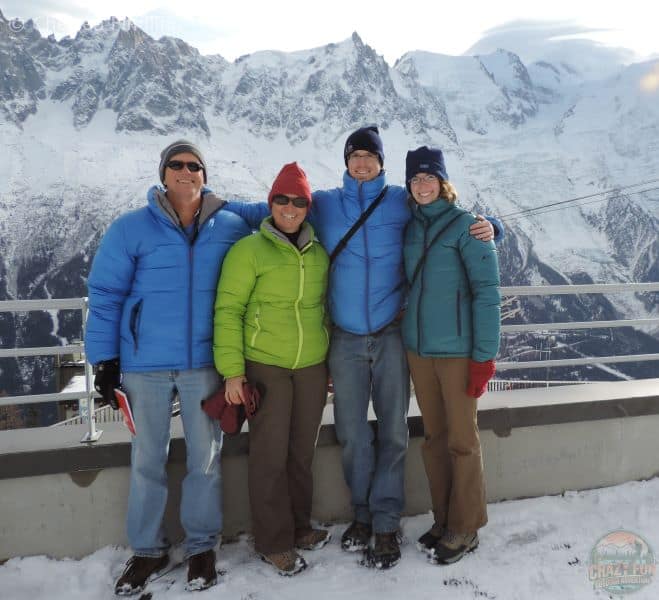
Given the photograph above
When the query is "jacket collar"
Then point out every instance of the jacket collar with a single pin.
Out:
(158, 202)
(305, 238)
(369, 189)
(433, 211)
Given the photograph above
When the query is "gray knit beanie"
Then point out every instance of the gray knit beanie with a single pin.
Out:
(178, 147)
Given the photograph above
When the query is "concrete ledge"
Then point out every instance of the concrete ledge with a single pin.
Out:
(535, 442)
(44, 451)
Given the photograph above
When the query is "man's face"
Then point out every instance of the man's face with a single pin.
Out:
(182, 180)
(363, 165)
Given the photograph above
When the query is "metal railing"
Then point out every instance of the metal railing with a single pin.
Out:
(552, 290)
(86, 397)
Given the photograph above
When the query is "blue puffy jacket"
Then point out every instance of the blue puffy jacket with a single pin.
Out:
(151, 289)
(454, 304)
(367, 281)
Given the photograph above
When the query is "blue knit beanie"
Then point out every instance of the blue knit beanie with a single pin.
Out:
(424, 160)
(365, 138)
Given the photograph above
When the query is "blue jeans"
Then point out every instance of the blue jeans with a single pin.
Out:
(151, 395)
(365, 366)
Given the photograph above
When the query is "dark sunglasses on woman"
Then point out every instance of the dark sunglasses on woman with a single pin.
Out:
(177, 165)
(297, 202)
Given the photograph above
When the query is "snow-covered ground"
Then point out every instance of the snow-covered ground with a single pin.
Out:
(531, 549)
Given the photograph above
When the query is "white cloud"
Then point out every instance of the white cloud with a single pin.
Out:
(238, 27)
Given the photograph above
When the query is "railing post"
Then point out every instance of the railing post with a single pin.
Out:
(86, 405)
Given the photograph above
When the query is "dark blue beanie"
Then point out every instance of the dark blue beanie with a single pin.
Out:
(424, 160)
(365, 138)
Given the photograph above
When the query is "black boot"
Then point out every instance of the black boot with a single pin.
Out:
(385, 553)
(356, 537)
(201, 571)
(137, 572)
(430, 538)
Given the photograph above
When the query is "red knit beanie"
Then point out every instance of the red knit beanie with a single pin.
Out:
(291, 180)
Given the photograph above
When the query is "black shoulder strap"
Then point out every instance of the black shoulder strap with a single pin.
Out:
(358, 223)
(423, 258)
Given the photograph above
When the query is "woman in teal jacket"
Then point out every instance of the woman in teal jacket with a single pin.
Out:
(451, 334)
(270, 330)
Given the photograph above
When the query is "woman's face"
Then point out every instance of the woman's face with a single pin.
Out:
(424, 188)
(288, 217)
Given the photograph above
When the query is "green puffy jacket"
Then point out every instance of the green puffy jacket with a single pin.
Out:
(454, 303)
(270, 303)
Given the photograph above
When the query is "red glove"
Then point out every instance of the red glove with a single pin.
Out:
(232, 416)
(479, 374)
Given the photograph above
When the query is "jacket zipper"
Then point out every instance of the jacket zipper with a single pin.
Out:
(421, 279)
(366, 258)
(190, 280)
(297, 308)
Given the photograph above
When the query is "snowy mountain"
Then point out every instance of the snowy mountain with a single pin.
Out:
(83, 120)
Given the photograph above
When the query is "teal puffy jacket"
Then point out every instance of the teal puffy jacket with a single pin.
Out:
(453, 304)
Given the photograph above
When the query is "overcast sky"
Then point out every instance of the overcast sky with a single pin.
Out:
(241, 27)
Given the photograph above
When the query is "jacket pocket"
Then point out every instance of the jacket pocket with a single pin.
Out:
(458, 313)
(257, 326)
(135, 318)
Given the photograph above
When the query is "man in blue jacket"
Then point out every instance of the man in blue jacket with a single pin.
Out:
(367, 358)
(152, 287)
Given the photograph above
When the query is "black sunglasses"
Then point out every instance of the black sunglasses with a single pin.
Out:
(297, 202)
(177, 165)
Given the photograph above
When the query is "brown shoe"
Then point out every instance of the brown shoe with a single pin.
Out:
(452, 547)
(287, 563)
(201, 571)
(311, 539)
(137, 572)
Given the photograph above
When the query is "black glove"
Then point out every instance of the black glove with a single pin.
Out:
(108, 377)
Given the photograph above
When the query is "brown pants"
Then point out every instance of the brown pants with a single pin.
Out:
(282, 439)
(451, 450)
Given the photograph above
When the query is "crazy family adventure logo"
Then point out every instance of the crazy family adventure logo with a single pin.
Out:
(621, 563)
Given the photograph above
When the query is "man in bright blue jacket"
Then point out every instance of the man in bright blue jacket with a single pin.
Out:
(152, 288)
(367, 358)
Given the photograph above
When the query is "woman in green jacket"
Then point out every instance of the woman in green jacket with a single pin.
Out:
(270, 330)
(451, 333)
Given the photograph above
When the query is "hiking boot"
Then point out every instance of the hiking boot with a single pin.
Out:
(311, 539)
(137, 572)
(452, 547)
(287, 563)
(201, 571)
(356, 537)
(430, 538)
(385, 553)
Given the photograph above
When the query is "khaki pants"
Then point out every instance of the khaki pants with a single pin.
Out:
(451, 450)
(282, 439)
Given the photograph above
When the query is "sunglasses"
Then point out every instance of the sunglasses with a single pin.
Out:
(297, 202)
(177, 165)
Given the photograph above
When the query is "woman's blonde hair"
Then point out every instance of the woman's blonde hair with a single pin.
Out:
(447, 191)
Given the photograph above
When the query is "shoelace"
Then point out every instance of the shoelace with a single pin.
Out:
(449, 537)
